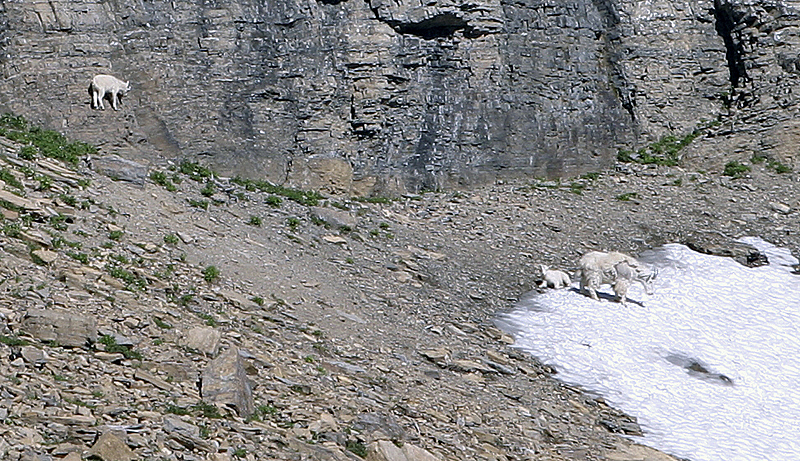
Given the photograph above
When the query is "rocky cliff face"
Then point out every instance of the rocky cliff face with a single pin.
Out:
(388, 96)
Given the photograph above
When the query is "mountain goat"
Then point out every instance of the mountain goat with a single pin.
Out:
(103, 85)
(617, 269)
(554, 278)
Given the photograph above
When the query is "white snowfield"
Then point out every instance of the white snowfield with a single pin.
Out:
(709, 364)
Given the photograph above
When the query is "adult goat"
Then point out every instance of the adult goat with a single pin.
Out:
(616, 269)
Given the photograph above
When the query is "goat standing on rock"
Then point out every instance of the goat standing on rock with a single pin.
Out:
(617, 269)
(107, 85)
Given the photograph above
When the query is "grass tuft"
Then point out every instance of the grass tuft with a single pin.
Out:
(210, 274)
(48, 143)
(735, 169)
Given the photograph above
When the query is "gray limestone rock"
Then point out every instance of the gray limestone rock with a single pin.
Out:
(384, 450)
(224, 382)
(110, 448)
(378, 426)
(205, 340)
(120, 169)
(336, 219)
(185, 433)
(60, 326)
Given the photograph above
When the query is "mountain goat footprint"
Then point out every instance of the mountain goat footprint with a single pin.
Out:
(616, 269)
(103, 85)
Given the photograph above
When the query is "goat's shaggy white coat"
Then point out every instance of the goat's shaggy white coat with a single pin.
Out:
(554, 278)
(616, 269)
(103, 85)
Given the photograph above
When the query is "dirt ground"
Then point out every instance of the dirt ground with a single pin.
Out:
(380, 307)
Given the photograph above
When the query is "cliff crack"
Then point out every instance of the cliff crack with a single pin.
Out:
(725, 25)
(616, 71)
(435, 24)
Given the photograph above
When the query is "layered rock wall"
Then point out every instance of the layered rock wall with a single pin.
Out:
(400, 96)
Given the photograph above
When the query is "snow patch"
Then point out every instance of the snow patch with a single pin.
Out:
(709, 364)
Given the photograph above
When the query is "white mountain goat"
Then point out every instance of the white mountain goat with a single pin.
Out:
(617, 269)
(103, 85)
(554, 278)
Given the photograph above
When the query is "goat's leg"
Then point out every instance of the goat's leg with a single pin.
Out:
(592, 289)
(98, 100)
(621, 290)
(592, 283)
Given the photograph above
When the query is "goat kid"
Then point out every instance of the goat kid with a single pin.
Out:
(554, 278)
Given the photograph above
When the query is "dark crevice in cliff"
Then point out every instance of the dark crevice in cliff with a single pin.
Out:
(443, 25)
(614, 58)
(725, 24)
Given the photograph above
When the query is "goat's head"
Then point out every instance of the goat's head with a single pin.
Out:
(647, 279)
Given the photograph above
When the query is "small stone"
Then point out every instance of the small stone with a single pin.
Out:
(120, 169)
(185, 434)
(439, 355)
(33, 355)
(110, 448)
(469, 366)
(60, 326)
(46, 256)
(378, 426)
(780, 207)
(325, 423)
(334, 239)
(205, 340)
(336, 219)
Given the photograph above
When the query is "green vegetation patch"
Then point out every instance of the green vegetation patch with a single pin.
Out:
(161, 178)
(210, 274)
(59, 221)
(273, 201)
(83, 258)
(199, 409)
(772, 164)
(131, 280)
(196, 171)
(13, 341)
(577, 187)
(208, 190)
(8, 177)
(357, 448)
(12, 230)
(735, 169)
(665, 151)
(307, 198)
(48, 143)
(162, 324)
(111, 346)
(627, 197)
(199, 203)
